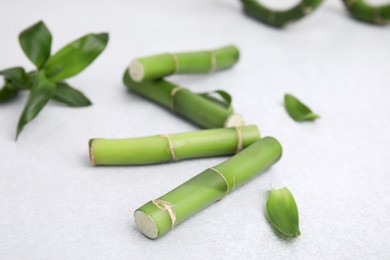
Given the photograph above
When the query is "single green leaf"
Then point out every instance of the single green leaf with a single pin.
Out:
(70, 96)
(282, 212)
(36, 43)
(16, 76)
(219, 97)
(76, 56)
(7, 93)
(297, 110)
(41, 92)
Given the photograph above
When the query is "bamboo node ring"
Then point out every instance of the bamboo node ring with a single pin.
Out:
(239, 140)
(171, 147)
(213, 62)
(177, 63)
(224, 178)
(166, 206)
(173, 94)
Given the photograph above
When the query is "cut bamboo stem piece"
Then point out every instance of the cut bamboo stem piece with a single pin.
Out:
(279, 18)
(159, 216)
(174, 147)
(162, 65)
(363, 11)
(204, 111)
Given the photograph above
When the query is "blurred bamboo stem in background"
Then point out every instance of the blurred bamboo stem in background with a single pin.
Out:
(166, 64)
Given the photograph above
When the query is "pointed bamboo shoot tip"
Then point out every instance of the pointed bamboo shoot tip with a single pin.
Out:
(136, 70)
(234, 120)
(146, 224)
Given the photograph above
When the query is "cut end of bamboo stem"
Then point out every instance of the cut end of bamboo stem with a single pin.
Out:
(91, 144)
(146, 224)
(234, 120)
(136, 70)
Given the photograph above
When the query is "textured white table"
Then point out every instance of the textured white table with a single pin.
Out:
(54, 205)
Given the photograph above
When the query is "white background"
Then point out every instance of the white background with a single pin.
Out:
(54, 205)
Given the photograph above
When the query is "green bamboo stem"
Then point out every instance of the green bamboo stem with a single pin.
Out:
(363, 11)
(159, 216)
(194, 107)
(279, 18)
(162, 65)
(174, 147)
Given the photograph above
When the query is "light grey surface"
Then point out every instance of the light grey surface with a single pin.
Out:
(54, 205)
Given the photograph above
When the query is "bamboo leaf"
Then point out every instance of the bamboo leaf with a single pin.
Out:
(70, 96)
(76, 56)
(16, 76)
(220, 97)
(297, 110)
(282, 212)
(7, 94)
(36, 43)
(41, 92)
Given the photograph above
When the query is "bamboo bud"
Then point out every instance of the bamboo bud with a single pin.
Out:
(159, 216)
(166, 148)
(162, 65)
(206, 112)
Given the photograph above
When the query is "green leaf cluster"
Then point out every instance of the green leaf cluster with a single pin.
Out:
(47, 81)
